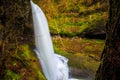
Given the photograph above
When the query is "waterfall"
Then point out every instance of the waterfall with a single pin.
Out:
(54, 66)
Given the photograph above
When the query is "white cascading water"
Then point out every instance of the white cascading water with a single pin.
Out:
(54, 66)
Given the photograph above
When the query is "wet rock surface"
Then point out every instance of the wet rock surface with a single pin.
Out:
(81, 74)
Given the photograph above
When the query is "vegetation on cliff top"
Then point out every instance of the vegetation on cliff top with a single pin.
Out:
(71, 17)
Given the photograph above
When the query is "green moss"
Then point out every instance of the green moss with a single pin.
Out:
(21, 64)
(33, 62)
(61, 52)
(10, 75)
(26, 51)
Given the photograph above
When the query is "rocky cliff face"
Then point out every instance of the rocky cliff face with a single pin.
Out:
(17, 59)
(15, 16)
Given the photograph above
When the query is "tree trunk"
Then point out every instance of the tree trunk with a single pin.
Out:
(110, 60)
